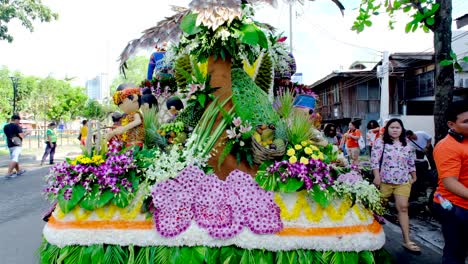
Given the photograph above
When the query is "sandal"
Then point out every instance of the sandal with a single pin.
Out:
(411, 247)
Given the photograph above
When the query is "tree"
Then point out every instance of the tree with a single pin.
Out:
(429, 15)
(26, 12)
(136, 72)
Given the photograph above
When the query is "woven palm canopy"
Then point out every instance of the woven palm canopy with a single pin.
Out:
(211, 13)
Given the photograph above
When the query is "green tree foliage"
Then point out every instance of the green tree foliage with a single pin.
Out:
(42, 97)
(26, 11)
(136, 72)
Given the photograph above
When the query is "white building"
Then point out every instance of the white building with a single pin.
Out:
(98, 88)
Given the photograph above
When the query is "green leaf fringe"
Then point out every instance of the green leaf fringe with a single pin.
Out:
(112, 254)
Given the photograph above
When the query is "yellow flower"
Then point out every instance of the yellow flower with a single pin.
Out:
(320, 156)
(313, 147)
(293, 159)
(304, 143)
(291, 152)
(304, 160)
(308, 151)
(297, 147)
(315, 157)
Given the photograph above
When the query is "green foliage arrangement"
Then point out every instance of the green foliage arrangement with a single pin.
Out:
(114, 254)
(300, 128)
(152, 137)
(237, 39)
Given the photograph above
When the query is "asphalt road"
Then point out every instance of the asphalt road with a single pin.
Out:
(22, 206)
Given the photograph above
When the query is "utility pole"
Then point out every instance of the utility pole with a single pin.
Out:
(384, 87)
(290, 27)
(14, 81)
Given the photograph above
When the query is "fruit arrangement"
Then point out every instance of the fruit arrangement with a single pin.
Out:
(265, 136)
(174, 132)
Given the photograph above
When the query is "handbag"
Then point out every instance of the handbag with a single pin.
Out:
(381, 158)
(362, 144)
(16, 141)
(79, 136)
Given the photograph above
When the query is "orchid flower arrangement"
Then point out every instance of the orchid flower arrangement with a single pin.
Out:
(93, 181)
(238, 141)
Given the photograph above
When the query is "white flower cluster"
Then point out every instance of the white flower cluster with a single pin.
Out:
(362, 192)
(168, 164)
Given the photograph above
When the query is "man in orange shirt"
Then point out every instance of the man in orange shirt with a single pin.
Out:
(451, 157)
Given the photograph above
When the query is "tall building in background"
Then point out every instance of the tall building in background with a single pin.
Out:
(98, 88)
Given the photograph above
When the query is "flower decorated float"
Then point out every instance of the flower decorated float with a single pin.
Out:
(237, 176)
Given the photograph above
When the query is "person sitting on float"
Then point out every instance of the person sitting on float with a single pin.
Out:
(132, 128)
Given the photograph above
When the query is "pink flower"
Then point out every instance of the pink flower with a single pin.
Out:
(232, 133)
(245, 128)
(237, 121)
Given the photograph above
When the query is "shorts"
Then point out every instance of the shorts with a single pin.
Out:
(387, 189)
(354, 153)
(15, 153)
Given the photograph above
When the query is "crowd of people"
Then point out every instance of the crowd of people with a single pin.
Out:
(393, 153)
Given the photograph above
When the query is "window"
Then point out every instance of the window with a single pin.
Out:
(420, 85)
(325, 97)
(369, 90)
(336, 93)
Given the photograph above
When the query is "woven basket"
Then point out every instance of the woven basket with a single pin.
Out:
(261, 154)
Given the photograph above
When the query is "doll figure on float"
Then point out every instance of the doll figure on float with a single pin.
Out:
(131, 128)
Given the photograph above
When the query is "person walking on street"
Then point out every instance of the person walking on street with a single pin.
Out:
(394, 172)
(14, 134)
(351, 140)
(372, 134)
(51, 144)
(422, 143)
(84, 132)
(451, 197)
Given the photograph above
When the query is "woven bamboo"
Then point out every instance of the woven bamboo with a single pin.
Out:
(261, 154)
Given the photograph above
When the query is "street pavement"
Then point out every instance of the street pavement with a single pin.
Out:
(23, 206)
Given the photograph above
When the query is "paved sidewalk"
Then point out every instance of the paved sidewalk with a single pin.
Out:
(30, 159)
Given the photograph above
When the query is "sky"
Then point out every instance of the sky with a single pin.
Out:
(89, 36)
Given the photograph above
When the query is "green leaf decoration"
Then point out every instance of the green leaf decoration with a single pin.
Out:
(66, 206)
(465, 59)
(286, 257)
(192, 255)
(97, 255)
(94, 200)
(291, 185)
(319, 196)
(249, 34)
(202, 99)
(366, 257)
(188, 24)
(251, 103)
(265, 74)
(226, 151)
(212, 255)
(122, 199)
(262, 39)
(115, 254)
(228, 256)
(100, 254)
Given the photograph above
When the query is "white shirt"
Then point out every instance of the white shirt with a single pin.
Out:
(423, 137)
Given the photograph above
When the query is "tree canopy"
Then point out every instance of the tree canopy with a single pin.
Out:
(26, 12)
(42, 97)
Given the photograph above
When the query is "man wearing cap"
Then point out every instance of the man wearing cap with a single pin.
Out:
(51, 144)
(15, 136)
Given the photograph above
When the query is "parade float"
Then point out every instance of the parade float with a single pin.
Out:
(235, 175)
